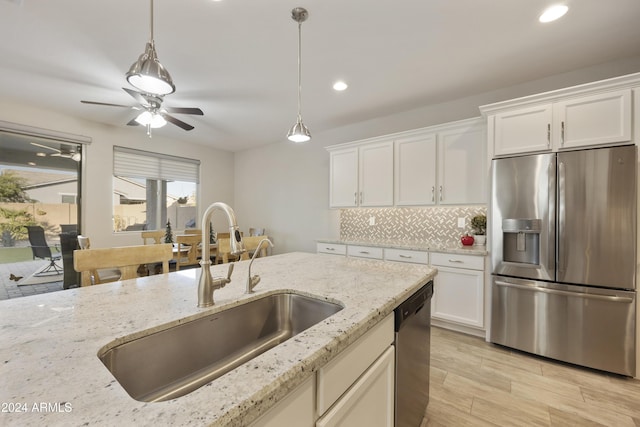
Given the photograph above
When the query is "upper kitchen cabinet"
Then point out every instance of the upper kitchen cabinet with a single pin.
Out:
(442, 164)
(462, 164)
(361, 175)
(594, 114)
(415, 170)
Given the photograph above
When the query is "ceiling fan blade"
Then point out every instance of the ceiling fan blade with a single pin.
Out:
(133, 122)
(180, 110)
(177, 122)
(106, 103)
(47, 147)
(137, 96)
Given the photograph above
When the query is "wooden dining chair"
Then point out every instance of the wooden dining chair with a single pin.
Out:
(127, 259)
(192, 231)
(251, 244)
(152, 237)
(187, 250)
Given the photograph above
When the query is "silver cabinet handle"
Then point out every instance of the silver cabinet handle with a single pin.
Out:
(562, 133)
(611, 298)
(548, 134)
(457, 261)
(361, 197)
(355, 197)
(364, 252)
(405, 256)
(441, 193)
(330, 249)
(433, 193)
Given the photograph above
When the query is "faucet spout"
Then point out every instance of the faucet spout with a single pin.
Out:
(252, 282)
(206, 284)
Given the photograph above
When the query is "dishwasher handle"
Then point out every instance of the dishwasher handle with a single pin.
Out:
(413, 305)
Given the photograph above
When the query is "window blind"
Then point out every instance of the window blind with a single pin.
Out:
(131, 163)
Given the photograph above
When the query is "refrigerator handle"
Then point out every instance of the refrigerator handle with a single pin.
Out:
(561, 216)
(610, 298)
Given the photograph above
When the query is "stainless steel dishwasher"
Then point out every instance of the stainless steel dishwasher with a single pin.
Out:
(413, 344)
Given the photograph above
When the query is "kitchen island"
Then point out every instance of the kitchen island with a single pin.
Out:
(51, 374)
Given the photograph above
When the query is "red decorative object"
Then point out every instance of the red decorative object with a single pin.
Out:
(467, 240)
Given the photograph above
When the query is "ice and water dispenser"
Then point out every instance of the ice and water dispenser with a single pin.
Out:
(521, 240)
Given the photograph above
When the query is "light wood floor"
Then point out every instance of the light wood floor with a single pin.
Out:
(474, 383)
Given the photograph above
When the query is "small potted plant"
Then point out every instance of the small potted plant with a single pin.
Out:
(479, 225)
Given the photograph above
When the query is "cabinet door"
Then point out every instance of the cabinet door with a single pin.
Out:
(458, 296)
(376, 174)
(591, 120)
(415, 170)
(343, 177)
(296, 409)
(370, 401)
(462, 165)
(523, 130)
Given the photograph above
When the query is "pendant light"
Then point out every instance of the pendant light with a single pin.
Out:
(147, 73)
(299, 132)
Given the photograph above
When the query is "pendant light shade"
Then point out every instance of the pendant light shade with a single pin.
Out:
(147, 73)
(299, 132)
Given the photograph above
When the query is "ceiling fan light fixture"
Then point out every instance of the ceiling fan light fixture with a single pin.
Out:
(299, 132)
(148, 75)
(153, 120)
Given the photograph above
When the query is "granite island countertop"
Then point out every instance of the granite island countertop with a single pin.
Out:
(51, 374)
(416, 245)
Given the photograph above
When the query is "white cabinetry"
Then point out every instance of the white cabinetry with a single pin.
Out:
(462, 167)
(599, 113)
(361, 175)
(296, 409)
(442, 164)
(458, 296)
(597, 119)
(364, 251)
(415, 170)
(356, 388)
(406, 255)
(331, 248)
(523, 130)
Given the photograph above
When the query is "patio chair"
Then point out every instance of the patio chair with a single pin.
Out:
(41, 249)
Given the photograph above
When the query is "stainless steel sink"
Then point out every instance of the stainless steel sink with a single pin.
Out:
(175, 361)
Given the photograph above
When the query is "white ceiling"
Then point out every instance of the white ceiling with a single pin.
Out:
(237, 59)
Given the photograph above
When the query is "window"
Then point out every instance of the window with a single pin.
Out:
(150, 189)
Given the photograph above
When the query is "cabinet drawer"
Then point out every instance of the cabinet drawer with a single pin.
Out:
(339, 374)
(458, 261)
(331, 248)
(406, 255)
(364, 252)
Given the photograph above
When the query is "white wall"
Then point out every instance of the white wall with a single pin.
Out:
(285, 187)
(215, 169)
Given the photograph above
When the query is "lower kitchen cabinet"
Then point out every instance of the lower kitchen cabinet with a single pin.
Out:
(370, 401)
(296, 409)
(458, 298)
(356, 388)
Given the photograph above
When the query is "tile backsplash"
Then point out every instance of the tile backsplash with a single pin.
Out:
(428, 224)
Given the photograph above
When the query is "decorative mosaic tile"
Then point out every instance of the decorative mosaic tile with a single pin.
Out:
(429, 224)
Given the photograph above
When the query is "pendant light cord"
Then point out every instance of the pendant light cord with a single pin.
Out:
(299, 71)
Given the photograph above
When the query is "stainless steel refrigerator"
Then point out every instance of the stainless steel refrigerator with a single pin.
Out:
(563, 250)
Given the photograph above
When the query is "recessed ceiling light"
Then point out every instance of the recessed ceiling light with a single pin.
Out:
(31, 163)
(340, 85)
(553, 12)
(41, 155)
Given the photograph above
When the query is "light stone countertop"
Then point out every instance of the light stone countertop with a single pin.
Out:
(416, 246)
(49, 342)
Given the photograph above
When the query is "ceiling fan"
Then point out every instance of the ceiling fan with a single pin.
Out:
(153, 80)
(153, 114)
(64, 151)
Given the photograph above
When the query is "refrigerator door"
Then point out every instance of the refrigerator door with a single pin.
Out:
(523, 216)
(597, 217)
(587, 326)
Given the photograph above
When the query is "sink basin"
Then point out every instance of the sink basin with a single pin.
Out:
(173, 362)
